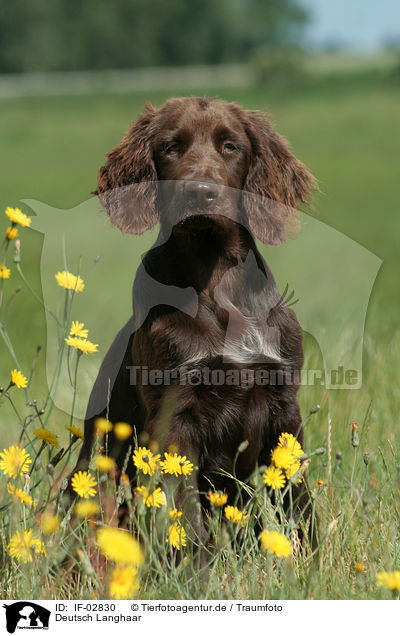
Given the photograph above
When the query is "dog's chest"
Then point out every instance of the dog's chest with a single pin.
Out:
(230, 335)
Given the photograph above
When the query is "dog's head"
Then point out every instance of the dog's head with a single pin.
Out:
(196, 162)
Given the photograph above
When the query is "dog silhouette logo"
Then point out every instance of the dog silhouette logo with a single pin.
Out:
(26, 615)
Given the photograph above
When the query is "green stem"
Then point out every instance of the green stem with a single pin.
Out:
(74, 389)
(56, 377)
(37, 457)
(35, 295)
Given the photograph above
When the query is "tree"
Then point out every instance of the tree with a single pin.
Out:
(38, 35)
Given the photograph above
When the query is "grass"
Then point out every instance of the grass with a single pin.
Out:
(346, 130)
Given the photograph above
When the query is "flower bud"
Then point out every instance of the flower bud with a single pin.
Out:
(243, 446)
(355, 441)
(17, 251)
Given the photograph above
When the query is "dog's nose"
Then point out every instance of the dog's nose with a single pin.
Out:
(200, 193)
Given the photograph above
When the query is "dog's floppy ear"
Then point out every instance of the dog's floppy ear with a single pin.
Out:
(279, 181)
(127, 182)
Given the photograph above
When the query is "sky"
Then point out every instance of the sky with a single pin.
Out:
(360, 25)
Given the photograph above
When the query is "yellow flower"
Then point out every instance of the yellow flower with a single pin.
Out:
(156, 498)
(11, 233)
(21, 544)
(118, 545)
(276, 543)
(16, 216)
(78, 330)
(274, 478)
(292, 470)
(81, 344)
(177, 536)
(49, 523)
(390, 580)
(359, 567)
(103, 425)
(122, 431)
(46, 436)
(69, 281)
(87, 508)
(84, 484)
(124, 582)
(20, 494)
(76, 432)
(217, 499)
(287, 440)
(4, 272)
(282, 457)
(144, 459)
(14, 461)
(286, 455)
(174, 464)
(18, 379)
(235, 515)
(175, 514)
(104, 463)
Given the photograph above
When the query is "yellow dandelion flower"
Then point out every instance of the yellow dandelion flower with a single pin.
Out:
(276, 543)
(102, 425)
(282, 457)
(16, 216)
(119, 546)
(292, 470)
(76, 432)
(11, 233)
(359, 567)
(18, 379)
(153, 499)
(104, 463)
(287, 440)
(87, 508)
(84, 484)
(177, 536)
(124, 582)
(175, 514)
(4, 271)
(49, 523)
(21, 546)
(390, 580)
(20, 495)
(144, 459)
(14, 461)
(46, 436)
(69, 281)
(122, 431)
(82, 345)
(217, 499)
(78, 330)
(232, 513)
(175, 464)
(274, 478)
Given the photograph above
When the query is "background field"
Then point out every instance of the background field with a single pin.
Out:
(346, 128)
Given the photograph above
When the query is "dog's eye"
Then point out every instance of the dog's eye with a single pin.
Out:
(228, 147)
(171, 148)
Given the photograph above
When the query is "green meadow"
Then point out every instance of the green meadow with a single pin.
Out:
(346, 129)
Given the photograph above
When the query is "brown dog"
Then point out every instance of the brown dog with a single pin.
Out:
(215, 177)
